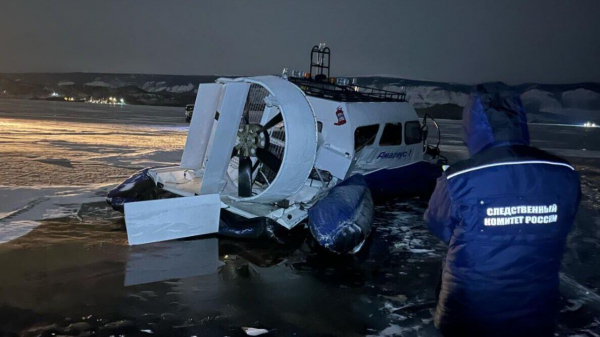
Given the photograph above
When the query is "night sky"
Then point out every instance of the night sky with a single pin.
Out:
(548, 41)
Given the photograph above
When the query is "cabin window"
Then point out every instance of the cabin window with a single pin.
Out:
(412, 133)
(365, 135)
(392, 134)
(319, 127)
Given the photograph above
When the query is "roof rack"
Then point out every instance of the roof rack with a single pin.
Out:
(346, 93)
(318, 83)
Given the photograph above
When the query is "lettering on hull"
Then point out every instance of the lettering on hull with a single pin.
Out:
(394, 155)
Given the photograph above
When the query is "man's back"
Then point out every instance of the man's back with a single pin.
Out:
(505, 214)
(515, 206)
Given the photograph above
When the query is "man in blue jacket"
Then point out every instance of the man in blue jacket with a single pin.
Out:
(505, 214)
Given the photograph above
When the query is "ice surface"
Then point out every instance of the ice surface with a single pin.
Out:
(10, 230)
(25, 207)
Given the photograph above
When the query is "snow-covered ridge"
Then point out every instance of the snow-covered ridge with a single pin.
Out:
(540, 100)
(428, 96)
(180, 90)
(158, 86)
(98, 84)
(581, 99)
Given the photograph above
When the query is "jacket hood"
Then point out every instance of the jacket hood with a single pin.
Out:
(494, 116)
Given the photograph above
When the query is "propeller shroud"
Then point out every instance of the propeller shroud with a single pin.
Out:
(276, 142)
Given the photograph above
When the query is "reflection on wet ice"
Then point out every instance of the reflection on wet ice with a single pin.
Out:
(172, 260)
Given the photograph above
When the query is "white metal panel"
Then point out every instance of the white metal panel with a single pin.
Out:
(300, 140)
(219, 155)
(201, 125)
(168, 219)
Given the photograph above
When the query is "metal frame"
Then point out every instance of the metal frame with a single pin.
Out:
(346, 93)
(323, 56)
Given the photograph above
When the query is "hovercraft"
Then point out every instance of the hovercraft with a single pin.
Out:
(269, 153)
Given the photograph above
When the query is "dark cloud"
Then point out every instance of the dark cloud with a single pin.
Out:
(462, 41)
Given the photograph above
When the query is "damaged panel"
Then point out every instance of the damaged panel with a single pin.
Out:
(168, 219)
(201, 126)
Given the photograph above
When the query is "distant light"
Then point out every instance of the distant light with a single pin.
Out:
(122, 100)
(589, 125)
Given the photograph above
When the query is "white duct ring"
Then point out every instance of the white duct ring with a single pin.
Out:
(300, 140)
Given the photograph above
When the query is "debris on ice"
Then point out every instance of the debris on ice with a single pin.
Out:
(254, 331)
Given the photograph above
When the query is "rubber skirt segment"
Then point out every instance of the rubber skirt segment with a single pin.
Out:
(342, 220)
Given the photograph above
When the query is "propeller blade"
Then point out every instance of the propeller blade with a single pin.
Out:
(278, 118)
(245, 177)
(268, 159)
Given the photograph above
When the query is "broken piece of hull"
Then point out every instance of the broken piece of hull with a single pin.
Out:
(341, 222)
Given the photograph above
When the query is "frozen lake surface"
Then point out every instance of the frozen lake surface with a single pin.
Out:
(67, 268)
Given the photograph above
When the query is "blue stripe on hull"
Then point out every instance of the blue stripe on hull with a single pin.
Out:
(410, 180)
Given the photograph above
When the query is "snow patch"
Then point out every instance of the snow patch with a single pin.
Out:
(153, 86)
(98, 83)
(254, 331)
(392, 330)
(65, 83)
(181, 88)
(158, 86)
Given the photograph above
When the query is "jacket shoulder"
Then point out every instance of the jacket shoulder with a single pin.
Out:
(505, 154)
